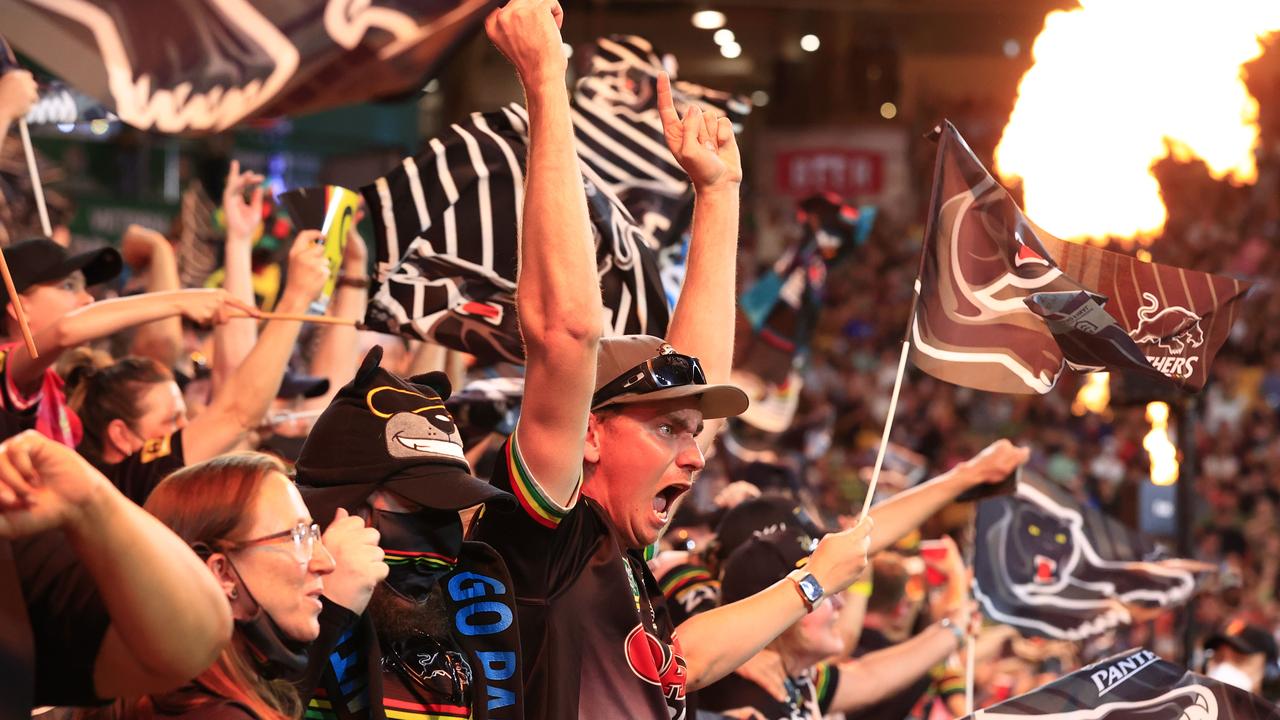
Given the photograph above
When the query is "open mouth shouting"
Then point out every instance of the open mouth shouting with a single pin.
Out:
(1046, 569)
(666, 499)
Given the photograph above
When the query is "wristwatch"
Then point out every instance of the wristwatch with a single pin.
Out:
(808, 586)
(955, 630)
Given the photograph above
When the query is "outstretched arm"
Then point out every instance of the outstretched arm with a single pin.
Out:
(716, 642)
(111, 316)
(169, 618)
(878, 675)
(558, 293)
(907, 510)
(239, 406)
(703, 321)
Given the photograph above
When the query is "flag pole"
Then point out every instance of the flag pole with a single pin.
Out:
(888, 421)
(939, 134)
(36, 188)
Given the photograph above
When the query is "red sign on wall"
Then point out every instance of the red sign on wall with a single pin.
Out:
(846, 172)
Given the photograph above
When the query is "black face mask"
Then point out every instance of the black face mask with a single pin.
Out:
(274, 654)
(421, 547)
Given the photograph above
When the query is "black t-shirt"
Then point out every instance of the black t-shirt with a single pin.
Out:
(598, 641)
(52, 622)
(898, 705)
(809, 695)
(137, 475)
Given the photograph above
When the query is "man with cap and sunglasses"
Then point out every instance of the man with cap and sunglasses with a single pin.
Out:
(608, 437)
(612, 430)
(52, 285)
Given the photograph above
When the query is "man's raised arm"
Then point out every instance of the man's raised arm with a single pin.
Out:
(702, 324)
(558, 293)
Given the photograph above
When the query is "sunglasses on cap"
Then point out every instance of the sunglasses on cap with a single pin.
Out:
(670, 369)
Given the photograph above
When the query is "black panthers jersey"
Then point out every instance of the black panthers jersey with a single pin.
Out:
(597, 639)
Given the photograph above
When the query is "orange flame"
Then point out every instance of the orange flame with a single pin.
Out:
(1117, 85)
(1159, 446)
(1094, 395)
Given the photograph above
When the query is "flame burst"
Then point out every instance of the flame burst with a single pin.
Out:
(1094, 395)
(1159, 446)
(1120, 84)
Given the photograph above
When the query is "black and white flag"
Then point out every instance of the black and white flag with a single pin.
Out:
(446, 224)
(1052, 568)
(1134, 685)
(446, 221)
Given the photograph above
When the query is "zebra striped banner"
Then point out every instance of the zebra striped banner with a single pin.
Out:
(447, 221)
(446, 224)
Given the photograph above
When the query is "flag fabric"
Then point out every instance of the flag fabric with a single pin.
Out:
(446, 225)
(1050, 567)
(1134, 685)
(1003, 306)
(218, 63)
(446, 221)
(618, 131)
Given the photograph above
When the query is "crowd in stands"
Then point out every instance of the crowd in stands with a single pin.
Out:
(208, 512)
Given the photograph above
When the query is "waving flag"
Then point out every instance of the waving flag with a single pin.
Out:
(1003, 306)
(1133, 685)
(1052, 568)
(446, 221)
(206, 65)
(446, 226)
(619, 132)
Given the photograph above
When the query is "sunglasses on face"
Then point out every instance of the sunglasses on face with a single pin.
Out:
(304, 537)
(670, 369)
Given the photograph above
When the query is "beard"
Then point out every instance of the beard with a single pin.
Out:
(397, 619)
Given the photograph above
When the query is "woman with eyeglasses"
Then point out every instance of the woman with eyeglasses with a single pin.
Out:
(247, 520)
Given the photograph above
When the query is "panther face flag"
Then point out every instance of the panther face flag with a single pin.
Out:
(1133, 685)
(1052, 568)
(446, 224)
(1003, 306)
(206, 65)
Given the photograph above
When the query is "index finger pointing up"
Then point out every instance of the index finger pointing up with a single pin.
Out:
(666, 106)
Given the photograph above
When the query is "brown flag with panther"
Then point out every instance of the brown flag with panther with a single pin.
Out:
(1003, 306)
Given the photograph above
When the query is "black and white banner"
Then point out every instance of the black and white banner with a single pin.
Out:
(1134, 685)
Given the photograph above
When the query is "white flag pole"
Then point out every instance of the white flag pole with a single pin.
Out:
(35, 178)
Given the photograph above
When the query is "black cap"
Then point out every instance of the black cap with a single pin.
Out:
(384, 432)
(41, 260)
(762, 561)
(295, 384)
(1245, 639)
(759, 515)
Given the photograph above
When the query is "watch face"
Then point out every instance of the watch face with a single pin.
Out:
(812, 590)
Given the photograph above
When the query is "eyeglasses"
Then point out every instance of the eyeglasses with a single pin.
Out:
(670, 369)
(304, 537)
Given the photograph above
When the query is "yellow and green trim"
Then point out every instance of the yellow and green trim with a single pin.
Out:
(542, 509)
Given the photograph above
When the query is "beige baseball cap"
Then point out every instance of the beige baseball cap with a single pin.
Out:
(620, 354)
